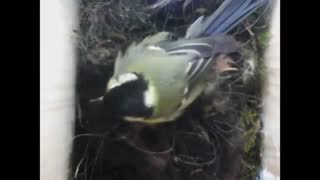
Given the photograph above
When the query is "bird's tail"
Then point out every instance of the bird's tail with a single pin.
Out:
(225, 18)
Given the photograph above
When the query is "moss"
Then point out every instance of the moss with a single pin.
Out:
(263, 39)
(250, 123)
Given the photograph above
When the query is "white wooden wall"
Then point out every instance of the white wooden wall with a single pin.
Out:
(57, 19)
(271, 155)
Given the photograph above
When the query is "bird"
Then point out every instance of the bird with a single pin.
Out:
(156, 79)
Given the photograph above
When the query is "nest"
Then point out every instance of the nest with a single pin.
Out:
(218, 137)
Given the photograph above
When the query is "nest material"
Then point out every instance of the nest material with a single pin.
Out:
(217, 138)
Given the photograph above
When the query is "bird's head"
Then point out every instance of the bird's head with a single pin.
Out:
(128, 96)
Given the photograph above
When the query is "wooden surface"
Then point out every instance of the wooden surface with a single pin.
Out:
(56, 88)
(271, 156)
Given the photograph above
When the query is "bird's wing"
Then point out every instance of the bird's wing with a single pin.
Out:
(201, 52)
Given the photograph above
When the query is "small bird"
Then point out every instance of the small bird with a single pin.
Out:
(155, 80)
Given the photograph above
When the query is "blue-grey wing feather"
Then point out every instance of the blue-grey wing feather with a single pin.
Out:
(201, 52)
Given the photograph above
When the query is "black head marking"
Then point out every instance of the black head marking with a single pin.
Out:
(127, 99)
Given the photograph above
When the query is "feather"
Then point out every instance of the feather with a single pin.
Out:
(230, 14)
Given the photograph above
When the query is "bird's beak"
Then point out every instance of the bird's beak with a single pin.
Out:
(99, 99)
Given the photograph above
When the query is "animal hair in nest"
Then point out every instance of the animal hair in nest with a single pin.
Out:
(204, 143)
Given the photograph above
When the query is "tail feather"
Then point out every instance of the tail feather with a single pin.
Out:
(230, 14)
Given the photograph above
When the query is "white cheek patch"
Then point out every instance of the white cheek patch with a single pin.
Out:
(123, 78)
(127, 77)
(150, 97)
(113, 83)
